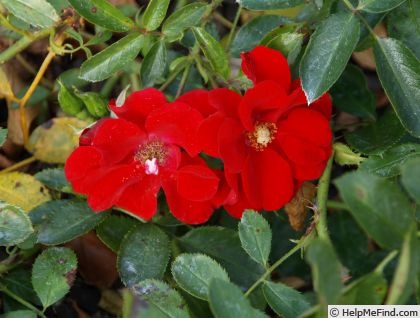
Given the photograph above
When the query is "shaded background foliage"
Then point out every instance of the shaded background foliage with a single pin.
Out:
(359, 242)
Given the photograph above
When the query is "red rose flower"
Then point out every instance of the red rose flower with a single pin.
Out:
(270, 140)
(125, 161)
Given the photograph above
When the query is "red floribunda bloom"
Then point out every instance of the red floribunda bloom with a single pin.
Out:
(125, 161)
(270, 140)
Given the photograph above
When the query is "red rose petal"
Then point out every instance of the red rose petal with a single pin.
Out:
(139, 104)
(198, 99)
(225, 100)
(263, 63)
(267, 179)
(197, 183)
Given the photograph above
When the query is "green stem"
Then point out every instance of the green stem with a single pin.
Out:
(22, 301)
(301, 244)
(22, 44)
(232, 30)
(322, 197)
(109, 85)
(380, 268)
(183, 81)
(134, 80)
(336, 205)
(355, 11)
(170, 79)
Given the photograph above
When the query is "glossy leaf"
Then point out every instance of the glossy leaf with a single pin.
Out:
(378, 205)
(20, 314)
(102, 13)
(38, 13)
(326, 271)
(284, 300)
(69, 102)
(377, 137)
(154, 14)
(399, 72)
(213, 51)
(378, 5)
(22, 190)
(186, 17)
(156, 299)
(251, 34)
(54, 178)
(113, 229)
(144, 254)
(405, 275)
(95, 104)
(327, 53)
(61, 221)
(15, 226)
(403, 23)
(18, 281)
(53, 274)
(410, 176)
(112, 59)
(227, 300)
(224, 246)
(367, 290)
(53, 141)
(154, 64)
(352, 95)
(269, 4)
(255, 235)
(389, 163)
(194, 272)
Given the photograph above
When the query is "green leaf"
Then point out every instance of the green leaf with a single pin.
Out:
(403, 284)
(285, 301)
(35, 12)
(269, 4)
(112, 231)
(3, 136)
(112, 59)
(327, 53)
(253, 32)
(54, 178)
(96, 105)
(326, 271)
(15, 226)
(377, 137)
(18, 281)
(69, 102)
(154, 14)
(378, 205)
(144, 254)
(53, 273)
(154, 64)
(352, 95)
(19, 314)
(156, 299)
(286, 40)
(227, 300)
(410, 176)
(224, 246)
(194, 272)
(403, 23)
(389, 163)
(255, 235)
(213, 51)
(378, 5)
(61, 221)
(102, 13)
(368, 290)
(184, 18)
(399, 72)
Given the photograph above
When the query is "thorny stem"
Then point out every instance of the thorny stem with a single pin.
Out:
(48, 59)
(322, 197)
(232, 30)
(22, 301)
(304, 241)
(19, 165)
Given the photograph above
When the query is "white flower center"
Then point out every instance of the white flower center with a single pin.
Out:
(263, 135)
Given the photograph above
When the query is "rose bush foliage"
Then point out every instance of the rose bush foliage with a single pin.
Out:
(187, 151)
